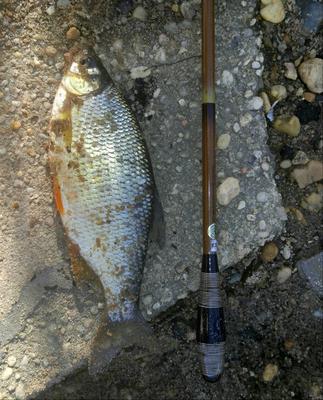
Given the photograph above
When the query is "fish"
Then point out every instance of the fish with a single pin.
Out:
(103, 183)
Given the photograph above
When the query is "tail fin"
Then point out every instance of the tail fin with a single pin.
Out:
(112, 338)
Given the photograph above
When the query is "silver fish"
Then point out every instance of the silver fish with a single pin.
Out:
(103, 182)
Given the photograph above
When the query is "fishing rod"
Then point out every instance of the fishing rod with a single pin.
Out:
(210, 320)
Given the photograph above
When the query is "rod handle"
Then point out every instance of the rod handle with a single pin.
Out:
(210, 333)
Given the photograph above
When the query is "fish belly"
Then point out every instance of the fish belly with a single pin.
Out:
(106, 192)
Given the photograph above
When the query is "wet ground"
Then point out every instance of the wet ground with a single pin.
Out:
(274, 320)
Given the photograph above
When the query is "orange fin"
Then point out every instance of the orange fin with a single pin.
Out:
(58, 196)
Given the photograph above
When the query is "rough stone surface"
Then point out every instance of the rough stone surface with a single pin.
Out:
(46, 321)
(312, 270)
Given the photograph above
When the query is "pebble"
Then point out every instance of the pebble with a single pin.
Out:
(286, 253)
(313, 202)
(270, 372)
(147, 300)
(269, 252)
(15, 125)
(309, 96)
(290, 72)
(287, 124)
(73, 33)
(227, 78)
(6, 374)
(298, 214)
(278, 92)
(11, 361)
(312, 172)
(262, 197)
(300, 158)
(272, 11)
(255, 103)
(228, 190)
(3, 151)
(140, 13)
(245, 119)
(311, 73)
(255, 65)
(248, 93)
(20, 392)
(223, 141)
(266, 102)
(50, 10)
(140, 72)
(51, 51)
(284, 274)
(286, 164)
(24, 361)
(236, 127)
(241, 205)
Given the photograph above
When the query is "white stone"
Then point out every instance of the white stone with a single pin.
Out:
(241, 205)
(160, 56)
(236, 127)
(272, 11)
(50, 10)
(284, 274)
(245, 119)
(290, 72)
(140, 72)
(6, 374)
(248, 93)
(11, 361)
(285, 164)
(228, 190)
(311, 73)
(256, 65)
(20, 392)
(140, 13)
(286, 253)
(223, 141)
(227, 78)
(255, 103)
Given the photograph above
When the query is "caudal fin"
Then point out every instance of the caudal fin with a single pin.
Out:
(112, 338)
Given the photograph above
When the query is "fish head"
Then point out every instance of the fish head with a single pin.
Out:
(85, 74)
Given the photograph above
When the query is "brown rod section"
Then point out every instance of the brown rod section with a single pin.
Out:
(208, 121)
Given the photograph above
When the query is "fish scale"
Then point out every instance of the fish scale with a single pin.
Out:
(107, 198)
